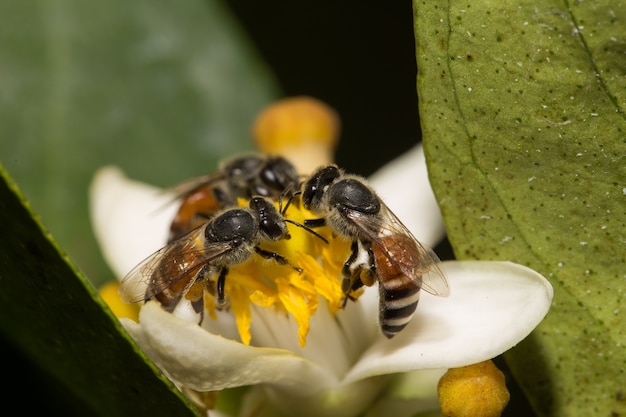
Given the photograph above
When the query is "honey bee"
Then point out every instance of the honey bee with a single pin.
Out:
(241, 177)
(189, 265)
(382, 250)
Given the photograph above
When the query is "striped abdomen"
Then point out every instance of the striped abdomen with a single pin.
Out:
(399, 294)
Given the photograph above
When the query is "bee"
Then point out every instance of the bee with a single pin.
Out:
(189, 265)
(382, 249)
(241, 177)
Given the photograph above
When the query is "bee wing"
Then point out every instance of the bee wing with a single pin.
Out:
(179, 259)
(193, 184)
(185, 188)
(422, 264)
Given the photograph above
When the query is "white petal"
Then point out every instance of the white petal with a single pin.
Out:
(200, 360)
(492, 306)
(403, 185)
(334, 341)
(345, 401)
(130, 219)
(409, 394)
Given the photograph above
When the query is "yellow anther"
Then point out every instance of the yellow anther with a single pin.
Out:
(302, 129)
(110, 295)
(472, 391)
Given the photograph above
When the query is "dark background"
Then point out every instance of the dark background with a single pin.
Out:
(357, 56)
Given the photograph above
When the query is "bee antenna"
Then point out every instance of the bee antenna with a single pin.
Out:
(308, 229)
(291, 194)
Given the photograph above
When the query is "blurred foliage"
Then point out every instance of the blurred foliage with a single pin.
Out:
(163, 90)
(68, 366)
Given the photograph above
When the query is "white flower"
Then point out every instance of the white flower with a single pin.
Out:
(346, 363)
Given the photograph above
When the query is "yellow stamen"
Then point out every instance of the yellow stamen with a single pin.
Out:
(268, 284)
(299, 298)
(474, 390)
(261, 299)
(325, 285)
(111, 296)
(239, 299)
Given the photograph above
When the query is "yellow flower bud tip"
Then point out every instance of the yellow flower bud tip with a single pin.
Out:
(473, 391)
(302, 129)
(110, 295)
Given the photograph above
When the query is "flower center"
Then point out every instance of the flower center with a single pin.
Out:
(266, 283)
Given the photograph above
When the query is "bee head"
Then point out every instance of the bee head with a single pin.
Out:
(241, 173)
(315, 187)
(278, 174)
(271, 222)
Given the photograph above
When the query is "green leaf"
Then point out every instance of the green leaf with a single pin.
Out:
(522, 108)
(55, 319)
(163, 89)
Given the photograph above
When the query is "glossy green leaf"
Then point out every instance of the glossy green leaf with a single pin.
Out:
(163, 89)
(71, 342)
(522, 107)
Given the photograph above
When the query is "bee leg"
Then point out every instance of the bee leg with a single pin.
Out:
(313, 223)
(348, 268)
(198, 303)
(358, 270)
(198, 307)
(265, 254)
(371, 266)
(351, 274)
(221, 281)
(289, 195)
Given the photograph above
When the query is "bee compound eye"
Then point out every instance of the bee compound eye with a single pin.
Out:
(270, 220)
(260, 189)
(278, 174)
(317, 184)
(274, 230)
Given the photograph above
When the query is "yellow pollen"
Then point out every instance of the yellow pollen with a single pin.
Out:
(474, 390)
(111, 297)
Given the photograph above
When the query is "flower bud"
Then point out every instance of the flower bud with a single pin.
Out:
(473, 391)
(301, 129)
